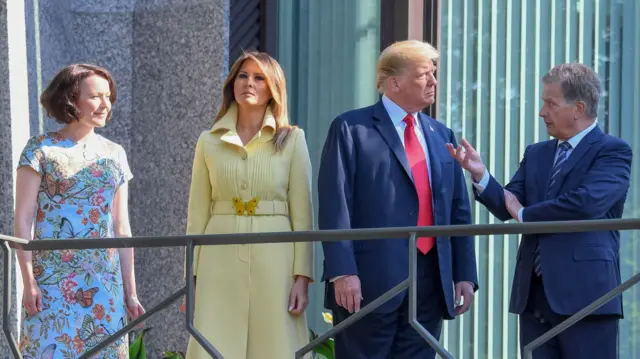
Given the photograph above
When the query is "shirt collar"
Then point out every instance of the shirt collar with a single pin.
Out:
(229, 120)
(575, 140)
(396, 113)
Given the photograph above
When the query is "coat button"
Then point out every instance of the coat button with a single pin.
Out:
(412, 213)
(243, 186)
(244, 157)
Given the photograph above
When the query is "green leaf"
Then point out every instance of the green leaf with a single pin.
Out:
(137, 349)
(172, 355)
(326, 349)
(312, 334)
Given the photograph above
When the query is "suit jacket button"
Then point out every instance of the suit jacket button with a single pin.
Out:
(411, 213)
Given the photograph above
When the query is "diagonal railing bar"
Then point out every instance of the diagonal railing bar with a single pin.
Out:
(206, 345)
(108, 341)
(353, 318)
(529, 348)
(333, 235)
(407, 283)
(413, 299)
(6, 298)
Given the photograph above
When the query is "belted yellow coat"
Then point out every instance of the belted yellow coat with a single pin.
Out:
(242, 291)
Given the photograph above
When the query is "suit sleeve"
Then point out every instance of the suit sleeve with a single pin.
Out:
(605, 184)
(200, 198)
(335, 198)
(463, 247)
(493, 196)
(300, 204)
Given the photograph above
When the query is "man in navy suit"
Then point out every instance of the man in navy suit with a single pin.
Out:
(387, 165)
(581, 174)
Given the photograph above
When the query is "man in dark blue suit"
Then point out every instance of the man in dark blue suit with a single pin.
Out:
(387, 165)
(581, 174)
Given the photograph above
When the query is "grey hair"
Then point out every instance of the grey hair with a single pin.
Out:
(578, 83)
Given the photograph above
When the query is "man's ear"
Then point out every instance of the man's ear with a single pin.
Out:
(393, 84)
(581, 109)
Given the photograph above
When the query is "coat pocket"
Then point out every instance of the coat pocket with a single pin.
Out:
(593, 254)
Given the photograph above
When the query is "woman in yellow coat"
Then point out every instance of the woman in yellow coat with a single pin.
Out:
(251, 173)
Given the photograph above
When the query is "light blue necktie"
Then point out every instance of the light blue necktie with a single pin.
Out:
(561, 158)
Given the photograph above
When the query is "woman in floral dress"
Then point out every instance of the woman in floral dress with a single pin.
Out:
(73, 184)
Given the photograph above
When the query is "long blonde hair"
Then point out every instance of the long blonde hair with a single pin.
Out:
(275, 82)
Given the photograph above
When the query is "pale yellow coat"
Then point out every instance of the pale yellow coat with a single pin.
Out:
(242, 291)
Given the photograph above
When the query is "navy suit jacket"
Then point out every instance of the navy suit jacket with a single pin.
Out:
(365, 182)
(577, 268)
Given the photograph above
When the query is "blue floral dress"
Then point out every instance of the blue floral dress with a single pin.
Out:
(82, 290)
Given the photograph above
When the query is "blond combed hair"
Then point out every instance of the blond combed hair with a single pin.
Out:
(274, 77)
(401, 54)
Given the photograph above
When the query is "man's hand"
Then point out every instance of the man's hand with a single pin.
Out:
(468, 158)
(512, 204)
(348, 293)
(464, 290)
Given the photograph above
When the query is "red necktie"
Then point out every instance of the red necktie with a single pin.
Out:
(420, 172)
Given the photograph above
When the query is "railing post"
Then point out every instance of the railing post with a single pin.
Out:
(190, 306)
(6, 300)
(413, 296)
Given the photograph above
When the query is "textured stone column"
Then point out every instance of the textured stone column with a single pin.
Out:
(168, 58)
(14, 132)
(178, 67)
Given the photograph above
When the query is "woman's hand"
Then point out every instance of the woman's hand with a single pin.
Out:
(32, 299)
(299, 297)
(134, 308)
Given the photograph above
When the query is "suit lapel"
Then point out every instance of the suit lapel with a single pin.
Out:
(384, 125)
(576, 155)
(545, 163)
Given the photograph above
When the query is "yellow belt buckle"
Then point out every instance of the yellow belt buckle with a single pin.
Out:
(249, 207)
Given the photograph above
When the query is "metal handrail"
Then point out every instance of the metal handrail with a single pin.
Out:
(313, 236)
(330, 235)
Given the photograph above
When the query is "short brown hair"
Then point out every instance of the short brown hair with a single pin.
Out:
(578, 83)
(59, 98)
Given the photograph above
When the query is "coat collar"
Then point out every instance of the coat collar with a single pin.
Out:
(226, 125)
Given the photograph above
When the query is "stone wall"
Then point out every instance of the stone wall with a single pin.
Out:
(168, 58)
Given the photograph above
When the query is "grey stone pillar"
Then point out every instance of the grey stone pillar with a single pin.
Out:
(168, 58)
(178, 65)
(14, 132)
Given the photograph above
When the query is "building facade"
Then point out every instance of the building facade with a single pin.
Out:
(494, 53)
